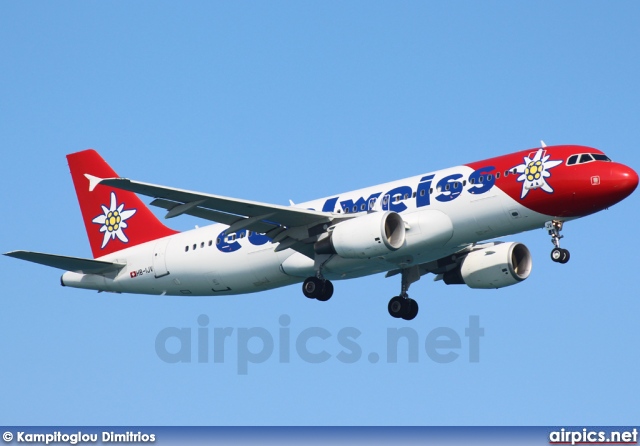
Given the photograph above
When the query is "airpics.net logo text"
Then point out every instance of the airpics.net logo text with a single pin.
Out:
(204, 344)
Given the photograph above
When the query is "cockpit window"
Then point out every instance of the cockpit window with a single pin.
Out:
(600, 157)
(572, 160)
(585, 158)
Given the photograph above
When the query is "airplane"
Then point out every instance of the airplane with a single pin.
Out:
(439, 222)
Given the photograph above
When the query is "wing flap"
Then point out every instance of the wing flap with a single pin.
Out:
(76, 264)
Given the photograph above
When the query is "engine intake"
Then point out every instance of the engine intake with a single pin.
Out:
(374, 234)
(498, 266)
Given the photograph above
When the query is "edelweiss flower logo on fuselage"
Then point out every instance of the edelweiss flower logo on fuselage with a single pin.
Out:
(535, 172)
(113, 221)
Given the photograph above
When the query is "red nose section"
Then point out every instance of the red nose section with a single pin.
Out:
(624, 180)
(597, 186)
(617, 183)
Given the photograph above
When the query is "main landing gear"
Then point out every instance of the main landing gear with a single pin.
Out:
(403, 306)
(317, 288)
(558, 254)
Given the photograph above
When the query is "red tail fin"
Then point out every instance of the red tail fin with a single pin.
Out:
(114, 219)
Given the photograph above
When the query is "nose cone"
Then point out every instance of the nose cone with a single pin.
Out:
(624, 180)
(613, 183)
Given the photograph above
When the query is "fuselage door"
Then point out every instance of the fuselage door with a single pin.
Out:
(159, 257)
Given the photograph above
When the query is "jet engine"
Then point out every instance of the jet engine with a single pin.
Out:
(498, 266)
(374, 234)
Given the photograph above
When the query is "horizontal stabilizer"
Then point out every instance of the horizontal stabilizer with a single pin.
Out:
(76, 264)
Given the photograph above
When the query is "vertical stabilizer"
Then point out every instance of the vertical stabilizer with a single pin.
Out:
(114, 219)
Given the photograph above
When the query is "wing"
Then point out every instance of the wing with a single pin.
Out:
(77, 264)
(288, 226)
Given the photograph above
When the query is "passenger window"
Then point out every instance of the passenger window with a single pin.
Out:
(186, 248)
(202, 245)
(422, 193)
(210, 242)
(195, 246)
(447, 187)
(572, 160)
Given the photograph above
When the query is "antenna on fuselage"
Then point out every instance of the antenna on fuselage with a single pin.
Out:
(542, 144)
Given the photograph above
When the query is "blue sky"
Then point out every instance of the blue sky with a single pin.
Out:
(274, 101)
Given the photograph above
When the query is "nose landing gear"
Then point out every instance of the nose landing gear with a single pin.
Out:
(558, 254)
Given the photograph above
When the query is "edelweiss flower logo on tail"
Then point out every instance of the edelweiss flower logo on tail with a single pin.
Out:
(113, 221)
(535, 172)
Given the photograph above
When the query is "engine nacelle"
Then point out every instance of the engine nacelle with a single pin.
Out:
(498, 266)
(372, 235)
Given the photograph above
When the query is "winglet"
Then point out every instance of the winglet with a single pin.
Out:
(542, 144)
(93, 181)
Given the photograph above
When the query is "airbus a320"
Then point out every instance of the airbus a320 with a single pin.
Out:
(437, 223)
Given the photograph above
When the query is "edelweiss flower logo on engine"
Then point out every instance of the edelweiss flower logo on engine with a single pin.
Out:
(113, 221)
(535, 172)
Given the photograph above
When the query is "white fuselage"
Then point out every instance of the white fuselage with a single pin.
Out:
(201, 262)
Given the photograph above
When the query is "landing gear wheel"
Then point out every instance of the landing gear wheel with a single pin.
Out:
(312, 287)
(396, 306)
(560, 255)
(315, 288)
(403, 307)
(412, 310)
(327, 291)
(557, 254)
